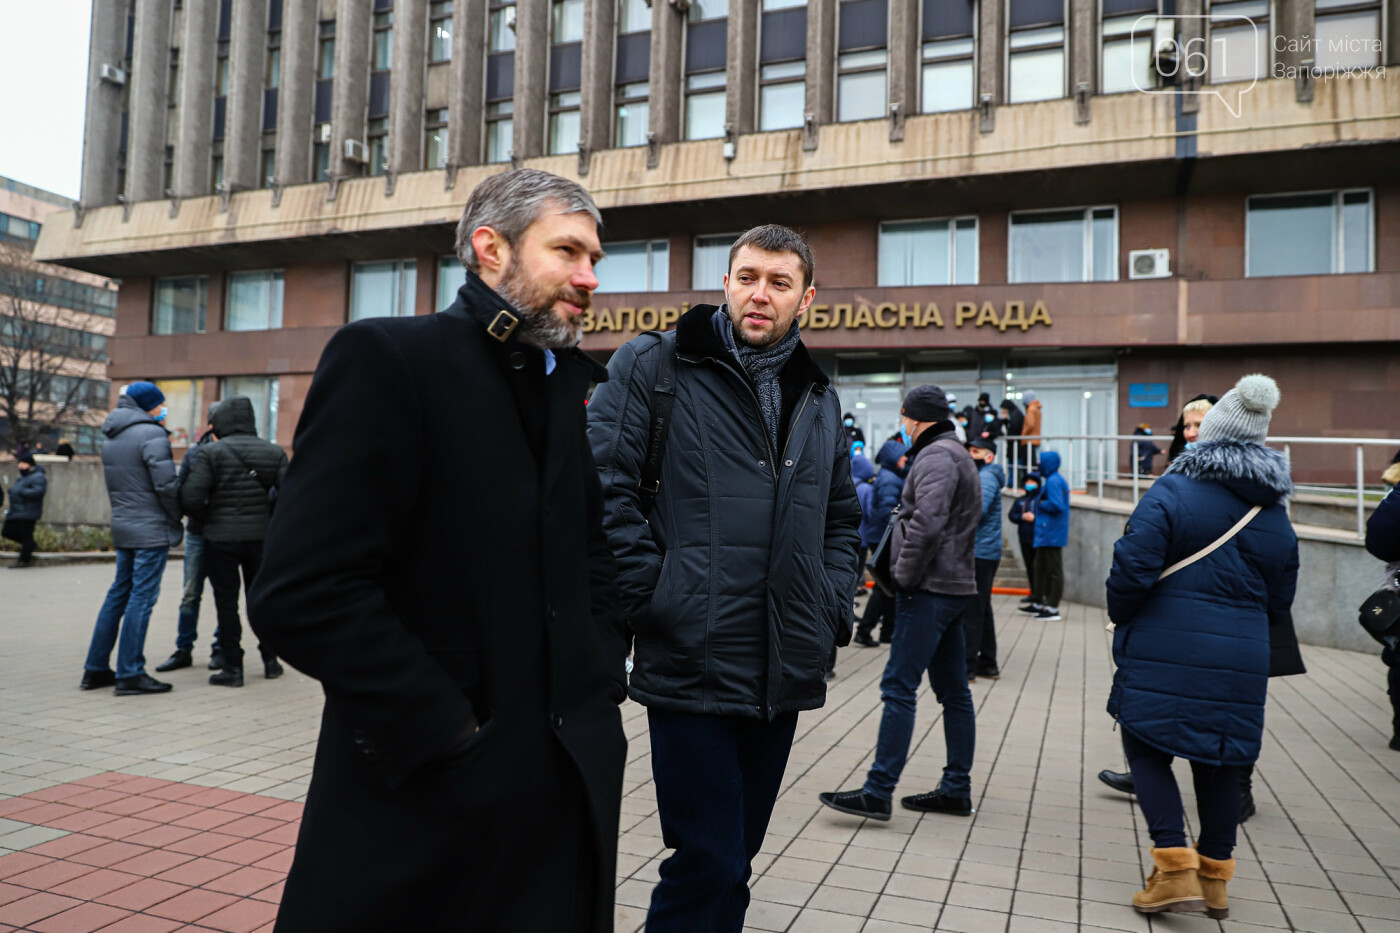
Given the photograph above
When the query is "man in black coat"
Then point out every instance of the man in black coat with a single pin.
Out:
(737, 583)
(464, 627)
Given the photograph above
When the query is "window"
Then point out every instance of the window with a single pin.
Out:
(186, 418)
(1347, 34)
(929, 252)
(782, 96)
(378, 145)
(708, 9)
(440, 31)
(704, 105)
(633, 16)
(860, 89)
(502, 33)
(633, 112)
(1079, 245)
(273, 74)
(269, 167)
(17, 228)
(217, 170)
(1037, 64)
(1309, 234)
(383, 58)
(321, 154)
(325, 55)
(499, 131)
(452, 275)
(634, 267)
(435, 139)
(564, 125)
(711, 263)
(1127, 52)
(172, 89)
(383, 289)
(221, 71)
(263, 393)
(567, 21)
(769, 5)
(181, 305)
(949, 75)
(254, 301)
(1239, 41)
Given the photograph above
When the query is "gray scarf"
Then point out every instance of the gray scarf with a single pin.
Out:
(763, 367)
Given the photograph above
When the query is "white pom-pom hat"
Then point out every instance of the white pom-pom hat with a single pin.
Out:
(1244, 412)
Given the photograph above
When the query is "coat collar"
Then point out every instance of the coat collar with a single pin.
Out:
(696, 338)
(935, 432)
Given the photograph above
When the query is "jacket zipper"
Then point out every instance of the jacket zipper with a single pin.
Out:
(757, 411)
(792, 425)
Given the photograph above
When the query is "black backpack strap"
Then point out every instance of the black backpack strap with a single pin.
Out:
(255, 473)
(663, 397)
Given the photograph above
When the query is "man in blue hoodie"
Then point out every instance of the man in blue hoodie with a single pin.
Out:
(979, 625)
(1051, 518)
(887, 485)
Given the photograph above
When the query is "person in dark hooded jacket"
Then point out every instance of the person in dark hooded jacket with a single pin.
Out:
(229, 492)
(1200, 594)
(1383, 541)
(26, 508)
(887, 485)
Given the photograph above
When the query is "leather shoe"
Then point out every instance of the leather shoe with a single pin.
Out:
(938, 802)
(865, 641)
(181, 658)
(92, 680)
(228, 677)
(141, 683)
(989, 671)
(216, 660)
(272, 668)
(1121, 781)
(857, 803)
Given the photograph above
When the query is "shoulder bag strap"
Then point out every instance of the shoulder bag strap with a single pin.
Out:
(663, 397)
(257, 475)
(1214, 545)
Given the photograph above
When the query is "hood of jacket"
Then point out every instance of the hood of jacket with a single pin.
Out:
(235, 416)
(995, 470)
(1011, 407)
(861, 468)
(888, 457)
(126, 414)
(1251, 471)
(1049, 462)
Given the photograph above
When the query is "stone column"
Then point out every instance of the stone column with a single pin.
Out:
(531, 70)
(296, 96)
(741, 64)
(247, 64)
(406, 88)
(991, 61)
(905, 57)
(351, 100)
(599, 44)
(1191, 36)
(194, 143)
(1083, 29)
(148, 101)
(666, 76)
(102, 122)
(466, 100)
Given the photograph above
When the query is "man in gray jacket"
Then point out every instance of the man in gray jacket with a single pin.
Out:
(141, 485)
(931, 560)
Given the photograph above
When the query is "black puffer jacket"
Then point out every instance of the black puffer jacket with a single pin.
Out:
(27, 495)
(736, 588)
(222, 492)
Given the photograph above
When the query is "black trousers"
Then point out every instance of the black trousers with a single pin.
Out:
(21, 531)
(1049, 582)
(1392, 660)
(1217, 799)
(222, 561)
(1028, 558)
(979, 625)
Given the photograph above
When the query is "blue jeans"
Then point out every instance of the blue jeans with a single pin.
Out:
(195, 574)
(717, 779)
(927, 636)
(133, 595)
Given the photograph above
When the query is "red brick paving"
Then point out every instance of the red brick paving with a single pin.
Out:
(147, 856)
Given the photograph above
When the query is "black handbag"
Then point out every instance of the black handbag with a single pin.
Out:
(1380, 617)
(879, 565)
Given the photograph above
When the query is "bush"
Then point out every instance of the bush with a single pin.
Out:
(73, 538)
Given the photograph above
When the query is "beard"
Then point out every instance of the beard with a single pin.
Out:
(540, 324)
(736, 318)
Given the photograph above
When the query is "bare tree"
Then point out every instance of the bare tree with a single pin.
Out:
(46, 358)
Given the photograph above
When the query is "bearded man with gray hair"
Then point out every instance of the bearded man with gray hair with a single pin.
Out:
(462, 620)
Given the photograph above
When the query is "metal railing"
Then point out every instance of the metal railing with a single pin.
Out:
(1096, 469)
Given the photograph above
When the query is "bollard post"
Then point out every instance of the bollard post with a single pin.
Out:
(1360, 492)
(1101, 469)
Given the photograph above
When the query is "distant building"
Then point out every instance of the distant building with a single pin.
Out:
(54, 327)
(1117, 203)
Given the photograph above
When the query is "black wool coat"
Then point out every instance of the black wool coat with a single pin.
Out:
(479, 593)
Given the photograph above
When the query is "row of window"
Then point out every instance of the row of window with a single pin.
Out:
(72, 391)
(18, 228)
(187, 415)
(53, 340)
(62, 293)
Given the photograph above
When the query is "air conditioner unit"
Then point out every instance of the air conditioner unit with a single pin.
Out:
(111, 73)
(325, 132)
(1149, 263)
(356, 151)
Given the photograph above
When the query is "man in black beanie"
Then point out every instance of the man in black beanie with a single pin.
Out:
(931, 560)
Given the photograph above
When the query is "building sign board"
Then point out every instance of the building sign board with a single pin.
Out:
(886, 315)
(1148, 394)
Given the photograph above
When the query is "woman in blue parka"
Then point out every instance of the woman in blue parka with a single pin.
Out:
(1195, 649)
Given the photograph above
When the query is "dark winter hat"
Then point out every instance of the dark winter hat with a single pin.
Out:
(982, 443)
(25, 458)
(926, 404)
(1243, 413)
(145, 395)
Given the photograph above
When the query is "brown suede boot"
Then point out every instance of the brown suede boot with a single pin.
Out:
(1213, 874)
(1173, 885)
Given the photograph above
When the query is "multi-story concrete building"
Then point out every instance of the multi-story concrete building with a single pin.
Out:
(54, 326)
(1118, 203)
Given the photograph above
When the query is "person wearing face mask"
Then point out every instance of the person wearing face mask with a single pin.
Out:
(960, 418)
(143, 488)
(1188, 426)
(26, 508)
(1025, 529)
(853, 431)
(888, 484)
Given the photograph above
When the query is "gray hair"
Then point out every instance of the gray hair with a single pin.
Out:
(511, 201)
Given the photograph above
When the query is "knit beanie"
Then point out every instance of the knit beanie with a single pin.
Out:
(1243, 413)
(926, 404)
(1028, 396)
(145, 395)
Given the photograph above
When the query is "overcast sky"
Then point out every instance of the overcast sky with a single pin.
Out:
(43, 89)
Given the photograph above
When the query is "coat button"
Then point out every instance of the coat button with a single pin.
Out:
(517, 360)
(763, 463)
(788, 463)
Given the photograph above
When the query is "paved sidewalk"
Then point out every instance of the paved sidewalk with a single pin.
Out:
(113, 826)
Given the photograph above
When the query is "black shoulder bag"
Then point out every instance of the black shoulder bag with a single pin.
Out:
(268, 487)
(663, 398)
(1380, 613)
(879, 565)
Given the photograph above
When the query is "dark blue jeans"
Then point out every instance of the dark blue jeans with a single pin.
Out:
(127, 610)
(928, 636)
(717, 778)
(195, 575)
(1217, 799)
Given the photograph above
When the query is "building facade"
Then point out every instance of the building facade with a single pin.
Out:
(1117, 203)
(55, 323)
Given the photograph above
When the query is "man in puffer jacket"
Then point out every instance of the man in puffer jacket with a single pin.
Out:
(141, 485)
(26, 508)
(888, 484)
(228, 490)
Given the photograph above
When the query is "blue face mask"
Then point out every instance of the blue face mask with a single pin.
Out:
(1031, 487)
(904, 436)
(1190, 445)
(163, 412)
